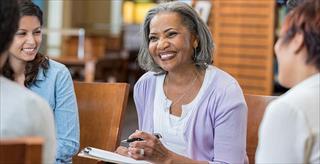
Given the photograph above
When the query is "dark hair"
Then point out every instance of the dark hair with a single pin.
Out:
(190, 18)
(292, 4)
(305, 19)
(27, 8)
(9, 19)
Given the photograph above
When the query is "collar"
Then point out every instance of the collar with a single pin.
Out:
(312, 81)
(41, 75)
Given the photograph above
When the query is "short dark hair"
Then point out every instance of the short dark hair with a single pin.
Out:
(9, 18)
(194, 24)
(305, 19)
(292, 4)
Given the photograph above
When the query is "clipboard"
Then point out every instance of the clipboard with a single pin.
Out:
(108, 156)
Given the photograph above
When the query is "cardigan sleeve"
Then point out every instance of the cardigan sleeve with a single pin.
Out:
(230, 126)
(143, 95)
(138, 97)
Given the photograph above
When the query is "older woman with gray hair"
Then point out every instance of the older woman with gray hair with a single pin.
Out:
(198, 109)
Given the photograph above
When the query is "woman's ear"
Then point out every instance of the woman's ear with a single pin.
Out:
(298, 42)
(195, 40)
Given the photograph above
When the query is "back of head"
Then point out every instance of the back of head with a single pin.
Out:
(305, 19)
(293, 3)
(9, 18)
(191, 20)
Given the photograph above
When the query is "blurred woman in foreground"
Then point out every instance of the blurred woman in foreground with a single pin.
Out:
(290, 130)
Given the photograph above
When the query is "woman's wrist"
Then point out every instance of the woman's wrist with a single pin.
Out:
(169, 158)
(176, 158)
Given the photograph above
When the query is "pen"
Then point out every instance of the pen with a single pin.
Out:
(140, 139)
(132, 140)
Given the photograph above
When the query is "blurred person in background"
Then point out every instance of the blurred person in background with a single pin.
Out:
(198, 109)
(49, 79)
(22, 112)
(290, 129)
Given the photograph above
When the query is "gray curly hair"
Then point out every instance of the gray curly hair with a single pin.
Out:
(190, 18)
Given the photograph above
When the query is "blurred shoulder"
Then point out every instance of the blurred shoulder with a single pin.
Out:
(28, 100)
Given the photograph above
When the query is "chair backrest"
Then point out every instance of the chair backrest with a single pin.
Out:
(22, 150)
(256, 107)
(101, 113)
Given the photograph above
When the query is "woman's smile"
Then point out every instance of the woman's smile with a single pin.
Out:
(29, 50)
(167, 55)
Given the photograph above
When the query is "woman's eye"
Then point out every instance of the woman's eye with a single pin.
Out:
(37, 32)
(152, 39)
(20, 33)
(172, 34)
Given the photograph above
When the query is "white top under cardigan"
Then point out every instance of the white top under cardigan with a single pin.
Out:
(172, 127)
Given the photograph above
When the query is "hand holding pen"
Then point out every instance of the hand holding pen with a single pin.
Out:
(151, 149)
(129, 140)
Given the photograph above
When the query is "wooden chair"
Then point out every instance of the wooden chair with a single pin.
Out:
(22, 150)
(256, 107)
(101, 113)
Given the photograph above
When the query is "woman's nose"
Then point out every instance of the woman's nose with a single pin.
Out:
(163, 44)
(30, 39)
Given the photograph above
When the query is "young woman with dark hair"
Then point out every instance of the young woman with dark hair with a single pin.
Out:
(49, 79)
(22, 112)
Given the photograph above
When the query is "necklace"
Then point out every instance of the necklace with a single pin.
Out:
(183, 94)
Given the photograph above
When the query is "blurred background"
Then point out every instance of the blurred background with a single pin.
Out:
(98, 40)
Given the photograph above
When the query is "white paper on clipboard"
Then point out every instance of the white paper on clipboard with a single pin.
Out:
(107, 156)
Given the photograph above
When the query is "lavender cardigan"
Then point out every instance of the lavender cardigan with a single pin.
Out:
(217, 131)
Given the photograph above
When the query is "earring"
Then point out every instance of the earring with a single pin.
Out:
(195, 44)
(195, 54)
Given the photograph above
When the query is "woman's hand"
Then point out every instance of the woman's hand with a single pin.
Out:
(150, 148)
(122, 151)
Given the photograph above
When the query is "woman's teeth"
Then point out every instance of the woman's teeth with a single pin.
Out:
(28, 49)
(166, 56)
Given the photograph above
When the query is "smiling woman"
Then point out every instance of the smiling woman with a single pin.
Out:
(49, 79)
(25, 45)
(198, 109)
(22, 113)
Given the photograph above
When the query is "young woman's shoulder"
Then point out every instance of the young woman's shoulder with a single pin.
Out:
(56, 67)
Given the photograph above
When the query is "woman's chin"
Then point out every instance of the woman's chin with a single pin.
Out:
(28, 58)
(167, 68)
(285, 82)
